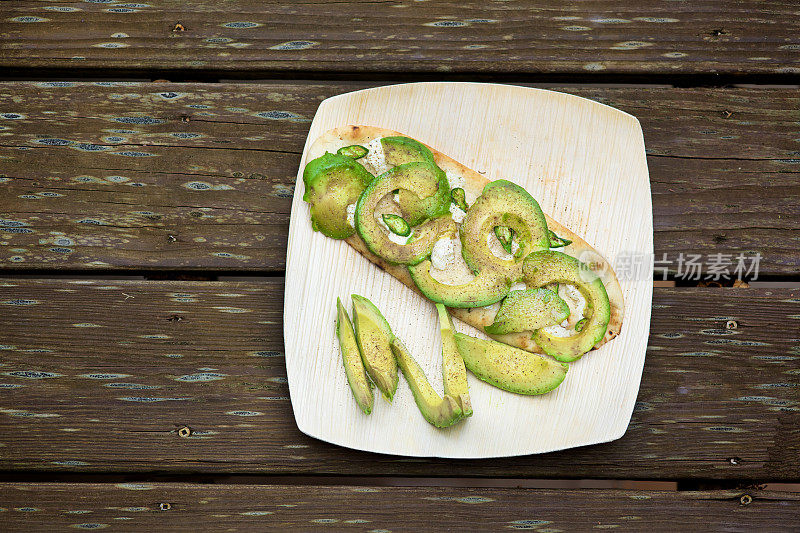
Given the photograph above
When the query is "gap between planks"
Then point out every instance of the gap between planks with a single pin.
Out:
(793, 282)
(345, 480)
(398, 481)
(683, 81)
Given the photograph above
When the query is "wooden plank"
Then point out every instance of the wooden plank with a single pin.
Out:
(199, 176)
(129, 363)
(182, 506)
(704, 37)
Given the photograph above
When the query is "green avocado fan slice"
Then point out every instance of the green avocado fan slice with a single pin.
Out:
(510, 368)
(351, 358)
(486, 288)
(504, 209)
(374, 337)
(440, 411)
(454, 373)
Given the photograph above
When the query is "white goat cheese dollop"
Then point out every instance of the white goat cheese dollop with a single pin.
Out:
(455, 180)
(496, 248)
(447, 263)
(457, 213)
(376, 158)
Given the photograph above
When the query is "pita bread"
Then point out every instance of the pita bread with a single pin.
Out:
(474, 183)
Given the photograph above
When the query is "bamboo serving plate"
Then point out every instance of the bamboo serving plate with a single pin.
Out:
(585, 164)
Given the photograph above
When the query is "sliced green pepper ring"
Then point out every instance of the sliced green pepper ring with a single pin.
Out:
(556, 241)
(459, 198)
(505, 235)
(396, 224)
(355, 151)
(420, 178)
(503, 203)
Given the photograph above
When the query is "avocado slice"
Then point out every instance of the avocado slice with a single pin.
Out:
(421, 178)
(401, 150)
(440, 411)
(333, 181)
(374, 336)
(486, 288)
(528, 310)
(545, 267)
(416, 209)
(351, 357)
(510, 368)
(507, 205)
(454, 372)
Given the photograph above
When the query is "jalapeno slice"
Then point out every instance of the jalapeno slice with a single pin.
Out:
(354, 151)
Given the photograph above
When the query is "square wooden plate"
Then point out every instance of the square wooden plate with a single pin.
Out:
(585, 164)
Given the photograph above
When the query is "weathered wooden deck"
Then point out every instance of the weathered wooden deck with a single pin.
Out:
(137, 214)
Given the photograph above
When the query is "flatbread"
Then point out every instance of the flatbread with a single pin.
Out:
(474, 183)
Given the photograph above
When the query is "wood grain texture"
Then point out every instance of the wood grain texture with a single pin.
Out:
(723, 167)
(578, 145)
(99, 377)
(182, 507)
(606, 36)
